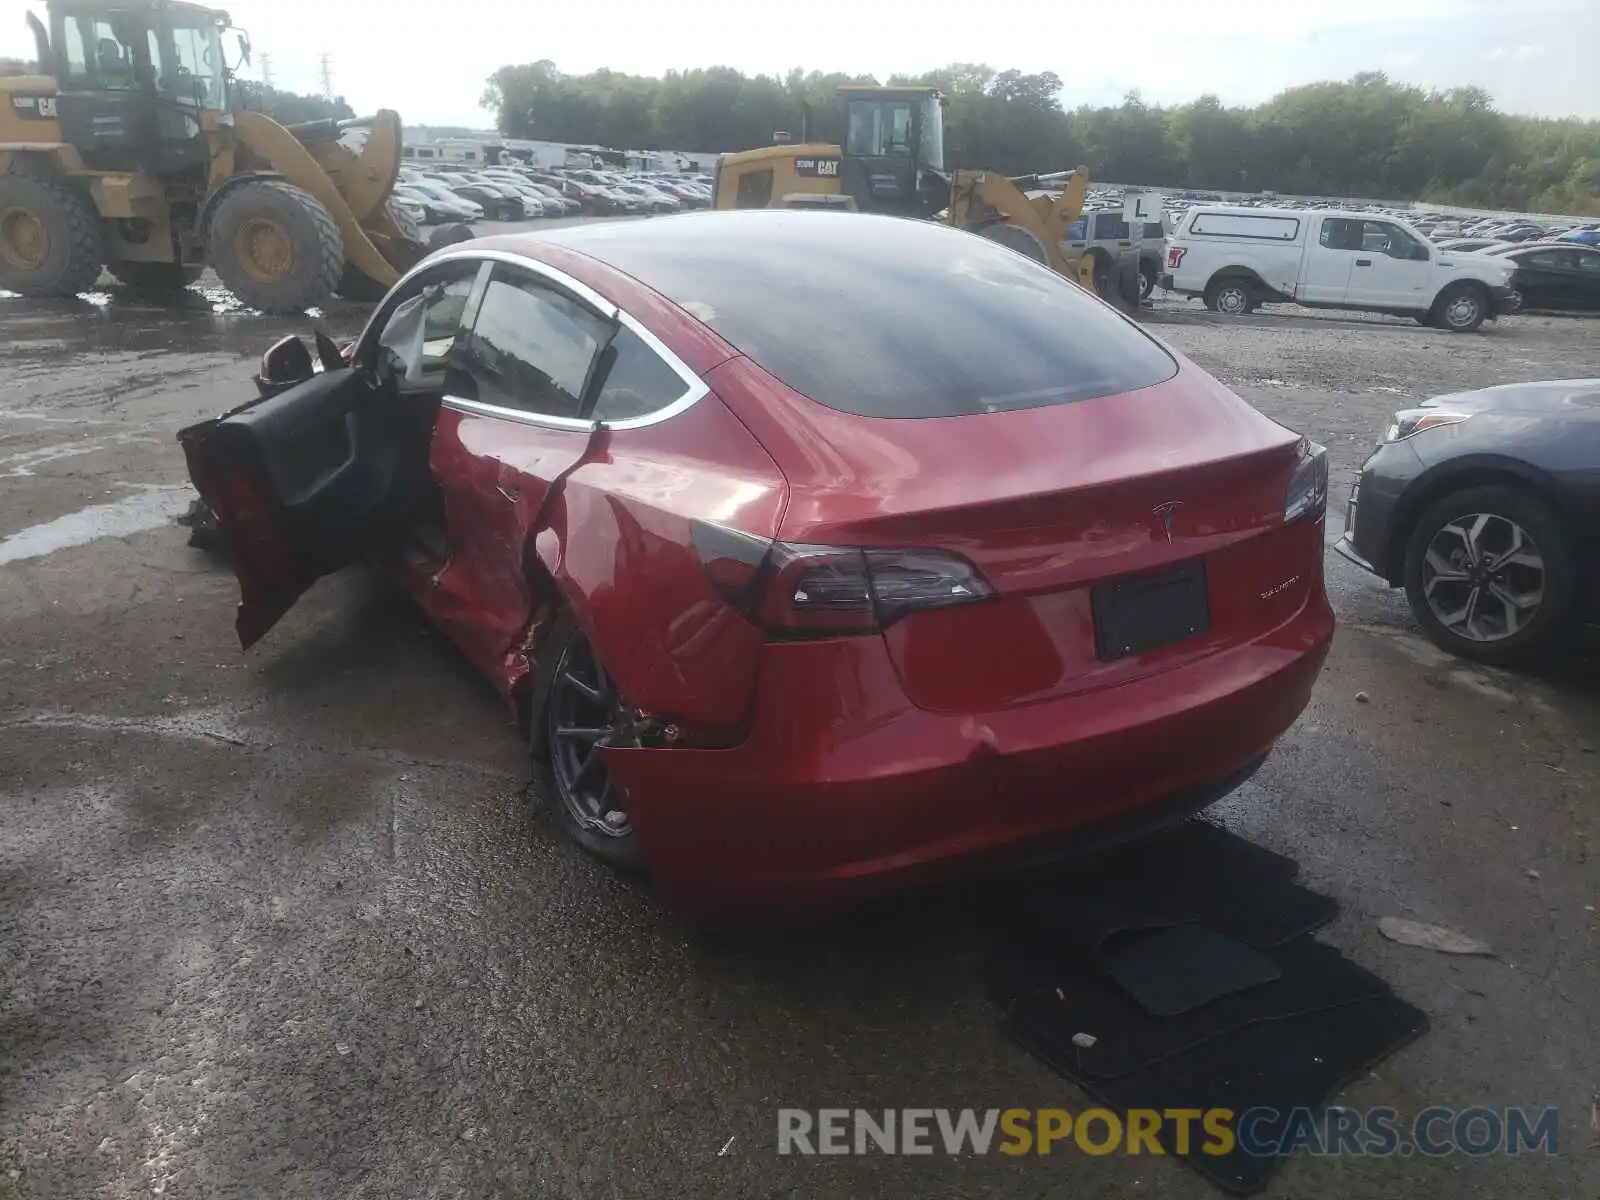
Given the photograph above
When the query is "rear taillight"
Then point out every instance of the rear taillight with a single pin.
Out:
(1307, 497)
(794, 590)
(1175, 256)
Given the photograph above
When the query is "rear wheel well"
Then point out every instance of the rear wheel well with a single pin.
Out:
(1243, 273)
(1413, 506)
(549, 604)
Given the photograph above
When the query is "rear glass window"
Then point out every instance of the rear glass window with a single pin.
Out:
(883, 316)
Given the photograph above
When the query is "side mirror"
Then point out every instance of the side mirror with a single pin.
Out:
(287, 361)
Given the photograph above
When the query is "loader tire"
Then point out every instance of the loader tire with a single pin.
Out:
(275, 247)
(51, 239)
(155, 278)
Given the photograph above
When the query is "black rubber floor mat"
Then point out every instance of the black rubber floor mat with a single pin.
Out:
(1298, 1062)
(1055, 1004)
(1197, 873)
(1206, 841)
(1169, 972)
(1081, 916)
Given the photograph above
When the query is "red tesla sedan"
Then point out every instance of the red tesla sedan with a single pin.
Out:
(816, 552)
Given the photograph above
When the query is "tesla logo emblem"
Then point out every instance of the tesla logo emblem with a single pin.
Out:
(1165, 512)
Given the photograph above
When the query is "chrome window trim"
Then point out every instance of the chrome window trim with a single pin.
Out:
(478, 408)
(695, 388)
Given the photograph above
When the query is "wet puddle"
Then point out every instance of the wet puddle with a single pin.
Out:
(148, 506)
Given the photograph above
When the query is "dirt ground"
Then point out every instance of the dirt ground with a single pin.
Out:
(278, 923)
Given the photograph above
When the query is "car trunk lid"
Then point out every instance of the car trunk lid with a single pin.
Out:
(1151, 514)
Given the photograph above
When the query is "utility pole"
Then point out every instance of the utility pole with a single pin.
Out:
(327, 77)
(266, 70)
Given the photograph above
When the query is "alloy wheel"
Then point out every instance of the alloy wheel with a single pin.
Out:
(1233, 300)
(1483, 577)
(586, 714)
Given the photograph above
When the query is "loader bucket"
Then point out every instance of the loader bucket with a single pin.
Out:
(350, 167)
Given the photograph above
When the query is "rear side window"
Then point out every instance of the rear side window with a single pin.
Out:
(1342, 233)
(639, 382)
(1152, 229)
(886, 317)
(1110, 225)
(1245, 225)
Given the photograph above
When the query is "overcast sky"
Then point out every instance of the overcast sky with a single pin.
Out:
(430, 60)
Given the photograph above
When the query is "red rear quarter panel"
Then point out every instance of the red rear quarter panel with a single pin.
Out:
(619, 545)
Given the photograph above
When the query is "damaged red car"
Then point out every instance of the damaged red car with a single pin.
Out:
(816, 553)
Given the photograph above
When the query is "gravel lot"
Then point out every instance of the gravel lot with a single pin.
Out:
(277, 924)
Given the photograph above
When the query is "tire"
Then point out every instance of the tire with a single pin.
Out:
(1230, 295)
(1461, 307)
(1147, 280)
(565, 650)
(1441, 527)
(1105, 281)
(155, 278)
(301, 253)
(51, 240)
(1127, 284)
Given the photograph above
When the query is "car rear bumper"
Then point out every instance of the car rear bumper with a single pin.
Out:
(843, 789)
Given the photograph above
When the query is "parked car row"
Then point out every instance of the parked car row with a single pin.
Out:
(514, 192)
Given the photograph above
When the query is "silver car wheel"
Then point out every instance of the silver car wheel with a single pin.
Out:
(1483, 577)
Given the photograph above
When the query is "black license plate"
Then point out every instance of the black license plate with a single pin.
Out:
(1132, 616)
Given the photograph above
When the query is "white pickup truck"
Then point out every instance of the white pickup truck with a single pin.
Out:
(1237, 259)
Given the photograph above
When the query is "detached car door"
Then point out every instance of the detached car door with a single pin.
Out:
(333, 468)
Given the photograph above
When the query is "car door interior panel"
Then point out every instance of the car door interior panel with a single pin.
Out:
(340, 460)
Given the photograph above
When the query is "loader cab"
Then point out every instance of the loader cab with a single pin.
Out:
(893, 159)
(140, 81)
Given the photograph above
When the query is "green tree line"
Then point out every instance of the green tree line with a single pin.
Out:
(1365, 137)
(289, 108)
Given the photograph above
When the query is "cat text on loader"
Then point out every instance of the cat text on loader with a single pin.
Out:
(892, 161)
(127, 153)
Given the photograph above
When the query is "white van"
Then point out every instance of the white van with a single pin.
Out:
(1237, 259)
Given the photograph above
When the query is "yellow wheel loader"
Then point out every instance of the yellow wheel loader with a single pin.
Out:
(892, 161)
(127, 153)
